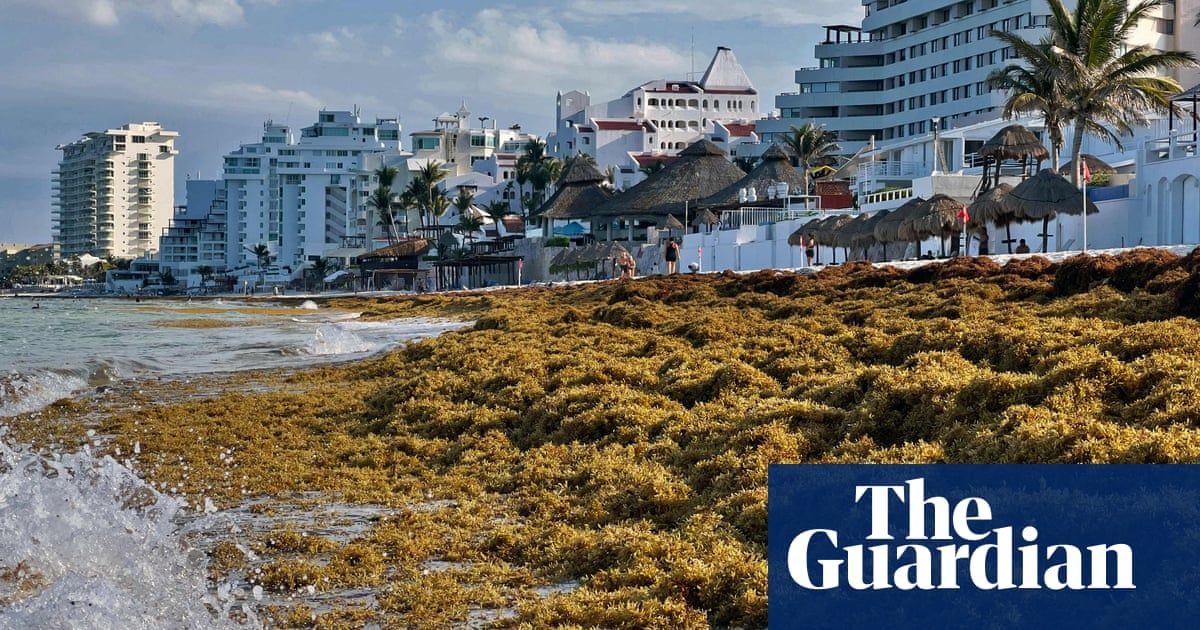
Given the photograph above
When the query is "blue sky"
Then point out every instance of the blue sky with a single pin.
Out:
(214, 70)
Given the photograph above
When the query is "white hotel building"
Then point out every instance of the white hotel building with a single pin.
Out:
(913, 60)
(656, 118)
(114, 191)
(306, 198)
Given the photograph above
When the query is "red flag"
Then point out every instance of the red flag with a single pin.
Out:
(1084, 170)
(962, 214)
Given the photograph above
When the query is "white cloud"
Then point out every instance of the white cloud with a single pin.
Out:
(776, 13)
(109, 13)
(261, 98)
(495, 53)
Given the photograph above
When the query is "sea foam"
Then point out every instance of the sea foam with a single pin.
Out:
(85, 543)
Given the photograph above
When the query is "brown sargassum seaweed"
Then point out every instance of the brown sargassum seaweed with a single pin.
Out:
(619, 434)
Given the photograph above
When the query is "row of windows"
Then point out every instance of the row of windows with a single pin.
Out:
(679, 103)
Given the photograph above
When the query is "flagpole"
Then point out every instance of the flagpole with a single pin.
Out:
(1087, 174)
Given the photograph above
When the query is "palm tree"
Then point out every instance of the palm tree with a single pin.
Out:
(497, 210)
(745, 163)
(468, 225)
(386, 175)
(320, 268)
(430, 198)
(384, 206)
(263, 254)
(1102, 85)
(811, 145)
(463, 201)
(1034, 88)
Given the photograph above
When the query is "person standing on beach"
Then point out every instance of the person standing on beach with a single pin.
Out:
(628, 265)
(671, 253)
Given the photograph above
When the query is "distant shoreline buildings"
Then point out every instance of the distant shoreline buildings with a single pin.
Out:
(905, 94)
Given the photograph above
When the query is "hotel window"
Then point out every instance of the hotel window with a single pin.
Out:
(1166, 27)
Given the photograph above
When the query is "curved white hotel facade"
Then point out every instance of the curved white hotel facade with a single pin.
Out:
(913, 60)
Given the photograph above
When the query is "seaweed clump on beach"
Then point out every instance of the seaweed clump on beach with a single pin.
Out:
(597, 455)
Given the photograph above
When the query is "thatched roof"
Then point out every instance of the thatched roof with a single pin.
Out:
(844, 236)
(938, 217)
(989, 208)
(1045, 195)
(1094, 164)
(705, 217)
(864, 233)
(580, 170)
(403, 249)
(579, 192)
(670, 223)
(806, 230)
(1014, 142)
(569, 255)
(700, 171)
(887, 229)
(826, 231)
(774, 167)
(603, 250)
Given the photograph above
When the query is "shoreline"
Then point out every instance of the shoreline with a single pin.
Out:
(596, 454)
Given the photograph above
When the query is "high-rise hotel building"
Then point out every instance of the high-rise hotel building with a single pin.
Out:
(114, 191)
(305, 197)
(911, 61)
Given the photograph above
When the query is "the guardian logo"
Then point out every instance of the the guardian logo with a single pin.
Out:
(937, 545)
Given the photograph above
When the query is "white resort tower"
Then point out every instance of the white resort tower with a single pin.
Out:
(913, 61)
(114, 191)
(305, 198)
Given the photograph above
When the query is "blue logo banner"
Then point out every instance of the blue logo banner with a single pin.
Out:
(983, 546)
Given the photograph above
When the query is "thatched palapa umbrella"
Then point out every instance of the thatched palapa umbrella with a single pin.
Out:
(938, 216)
(989, 208)
(705, 218)
(864, 233)
(1014, 142)
(670, 224)
(887, 229)
(843, 236)
(1044, 195)
(826, 231)
(1095, 165)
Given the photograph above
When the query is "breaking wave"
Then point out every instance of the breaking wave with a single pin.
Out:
(335, 339)
(30, 391)
(85, 543)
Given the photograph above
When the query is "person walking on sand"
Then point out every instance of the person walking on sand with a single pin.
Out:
(671, 253)
(628, 265)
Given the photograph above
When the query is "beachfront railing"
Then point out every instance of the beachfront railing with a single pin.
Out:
(750, 215)
(886, 196)
(1181, 144)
